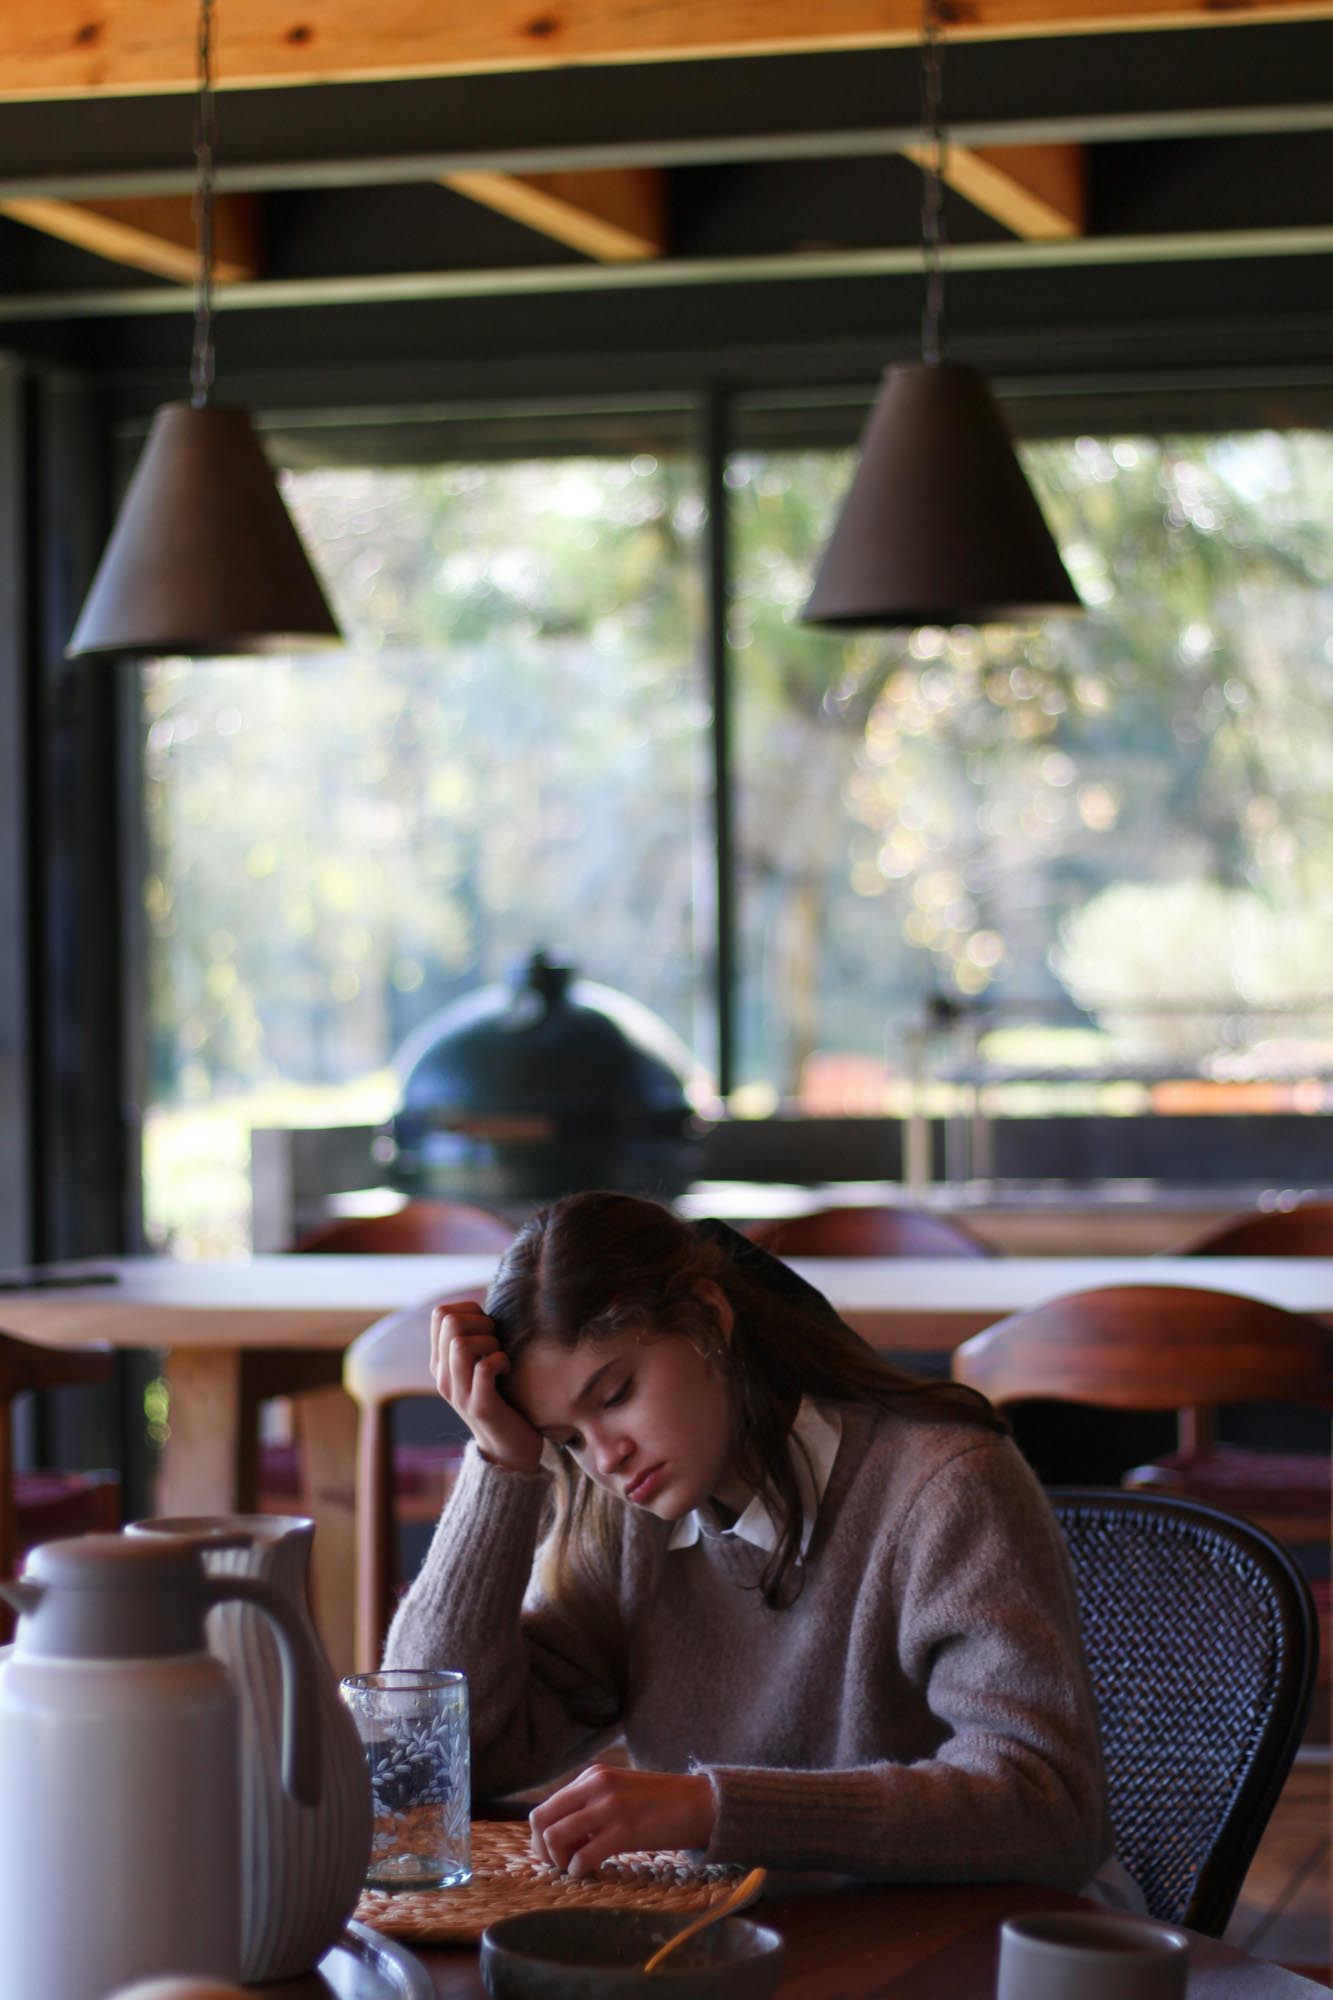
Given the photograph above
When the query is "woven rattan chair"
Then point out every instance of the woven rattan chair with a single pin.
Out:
(1199, 1635)
(1201, 1639)
(869, 1231)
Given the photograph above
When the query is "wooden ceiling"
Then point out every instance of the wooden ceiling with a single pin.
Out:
(52, 48)
(741, 172)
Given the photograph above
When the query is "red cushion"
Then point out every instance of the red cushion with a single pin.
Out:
(1247, 1482)
(417, 1468)
(48, 1505)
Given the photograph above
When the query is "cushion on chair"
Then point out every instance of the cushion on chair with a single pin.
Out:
(420, 1471)
(1295, 1484)
(50, 1505)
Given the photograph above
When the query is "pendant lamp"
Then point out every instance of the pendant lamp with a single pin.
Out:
(204, 557)
(940, 527)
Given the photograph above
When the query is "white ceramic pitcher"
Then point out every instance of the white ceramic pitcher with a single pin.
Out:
(120, 1767)
(302, 1862)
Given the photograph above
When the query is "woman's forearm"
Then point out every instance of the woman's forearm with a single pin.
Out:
(995, 1818)
(536, 1695)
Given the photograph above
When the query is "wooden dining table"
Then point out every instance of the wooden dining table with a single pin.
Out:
(235, 1333)
(877, 1943)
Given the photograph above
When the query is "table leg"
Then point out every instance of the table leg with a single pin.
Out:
(208, 1460)
(325, 1424)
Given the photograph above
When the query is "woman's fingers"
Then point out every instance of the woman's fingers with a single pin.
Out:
(448, 1318)
(464, 1355)
(546, 1819)
(608, 1810)
(581, 1842)
(466, 1361)
(459, 1334)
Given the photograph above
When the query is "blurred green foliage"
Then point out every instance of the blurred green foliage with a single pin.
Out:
(514, 751)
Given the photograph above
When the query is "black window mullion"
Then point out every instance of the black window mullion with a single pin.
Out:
(716, 435)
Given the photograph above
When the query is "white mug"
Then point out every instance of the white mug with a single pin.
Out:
(1091, 1955)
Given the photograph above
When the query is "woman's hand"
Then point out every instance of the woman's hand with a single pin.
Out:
(608, 1810)
(465, 1360)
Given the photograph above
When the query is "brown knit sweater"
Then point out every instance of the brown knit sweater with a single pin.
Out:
(922, 1712)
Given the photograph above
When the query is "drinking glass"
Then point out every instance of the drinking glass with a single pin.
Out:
(413, 1724)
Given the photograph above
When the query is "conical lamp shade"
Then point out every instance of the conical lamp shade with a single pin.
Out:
(204, 557)
(940, 526)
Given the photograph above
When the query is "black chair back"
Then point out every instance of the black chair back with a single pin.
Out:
(1202, 1642)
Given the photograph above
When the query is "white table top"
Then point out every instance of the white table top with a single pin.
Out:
(312, 1301)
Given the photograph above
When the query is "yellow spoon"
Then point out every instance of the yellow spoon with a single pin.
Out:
(745, 1891)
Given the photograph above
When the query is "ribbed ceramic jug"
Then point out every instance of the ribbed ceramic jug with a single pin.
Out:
(120, 1766)
(301, 1865)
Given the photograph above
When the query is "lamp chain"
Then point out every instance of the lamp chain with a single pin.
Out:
(934, 231)
(205, 141)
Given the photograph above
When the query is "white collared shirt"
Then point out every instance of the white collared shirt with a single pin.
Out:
(813, 1446)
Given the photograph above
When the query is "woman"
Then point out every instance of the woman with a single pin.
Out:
(826, 1605)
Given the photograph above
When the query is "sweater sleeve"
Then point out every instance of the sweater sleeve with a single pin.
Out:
(539, 1695)
(987, 1629)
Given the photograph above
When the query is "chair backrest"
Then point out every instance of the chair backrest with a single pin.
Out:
(1151, 1347)
(1202, 1643)
(872, 1231)
(1303, 1231)
(24, 1365)
(419, 1228)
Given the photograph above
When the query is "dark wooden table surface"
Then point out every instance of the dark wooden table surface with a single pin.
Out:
(869, 1943)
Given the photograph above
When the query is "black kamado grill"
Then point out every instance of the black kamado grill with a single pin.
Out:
(519, 1093)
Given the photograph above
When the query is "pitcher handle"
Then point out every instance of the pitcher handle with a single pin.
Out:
(302, 1770)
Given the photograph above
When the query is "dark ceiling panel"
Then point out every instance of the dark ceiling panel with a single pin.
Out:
(338, 232)
(1282, 181)
(789, 205)
(33, 261)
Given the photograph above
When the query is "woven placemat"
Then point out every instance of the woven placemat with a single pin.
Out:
(506, 1880)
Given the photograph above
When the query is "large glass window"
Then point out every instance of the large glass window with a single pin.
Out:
(1090, 864)
(1106, 842)
(510, 753)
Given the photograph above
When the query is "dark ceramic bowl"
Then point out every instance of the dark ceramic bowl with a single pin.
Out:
(599, 1955)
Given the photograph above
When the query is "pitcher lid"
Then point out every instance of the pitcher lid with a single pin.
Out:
(113, 1562)
(111, 1597)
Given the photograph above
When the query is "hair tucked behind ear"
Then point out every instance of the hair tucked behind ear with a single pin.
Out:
(599, 1264)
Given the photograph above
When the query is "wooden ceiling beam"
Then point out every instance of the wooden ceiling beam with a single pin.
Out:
(76, 48)
(616, 216)
(1038, 192)
(155, 233)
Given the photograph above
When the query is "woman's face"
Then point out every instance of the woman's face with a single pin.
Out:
(647, 1417)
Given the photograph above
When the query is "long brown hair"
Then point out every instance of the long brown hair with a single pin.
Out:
(599, 1264)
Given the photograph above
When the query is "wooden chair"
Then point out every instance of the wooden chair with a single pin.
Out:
(1200, 1639)
(44, 1506)
(422, 1228)
(387, 1364)
(872, 1231)
(1180, 1349)
(1303, 1231)
(1292, 1490)
(296, 1476)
